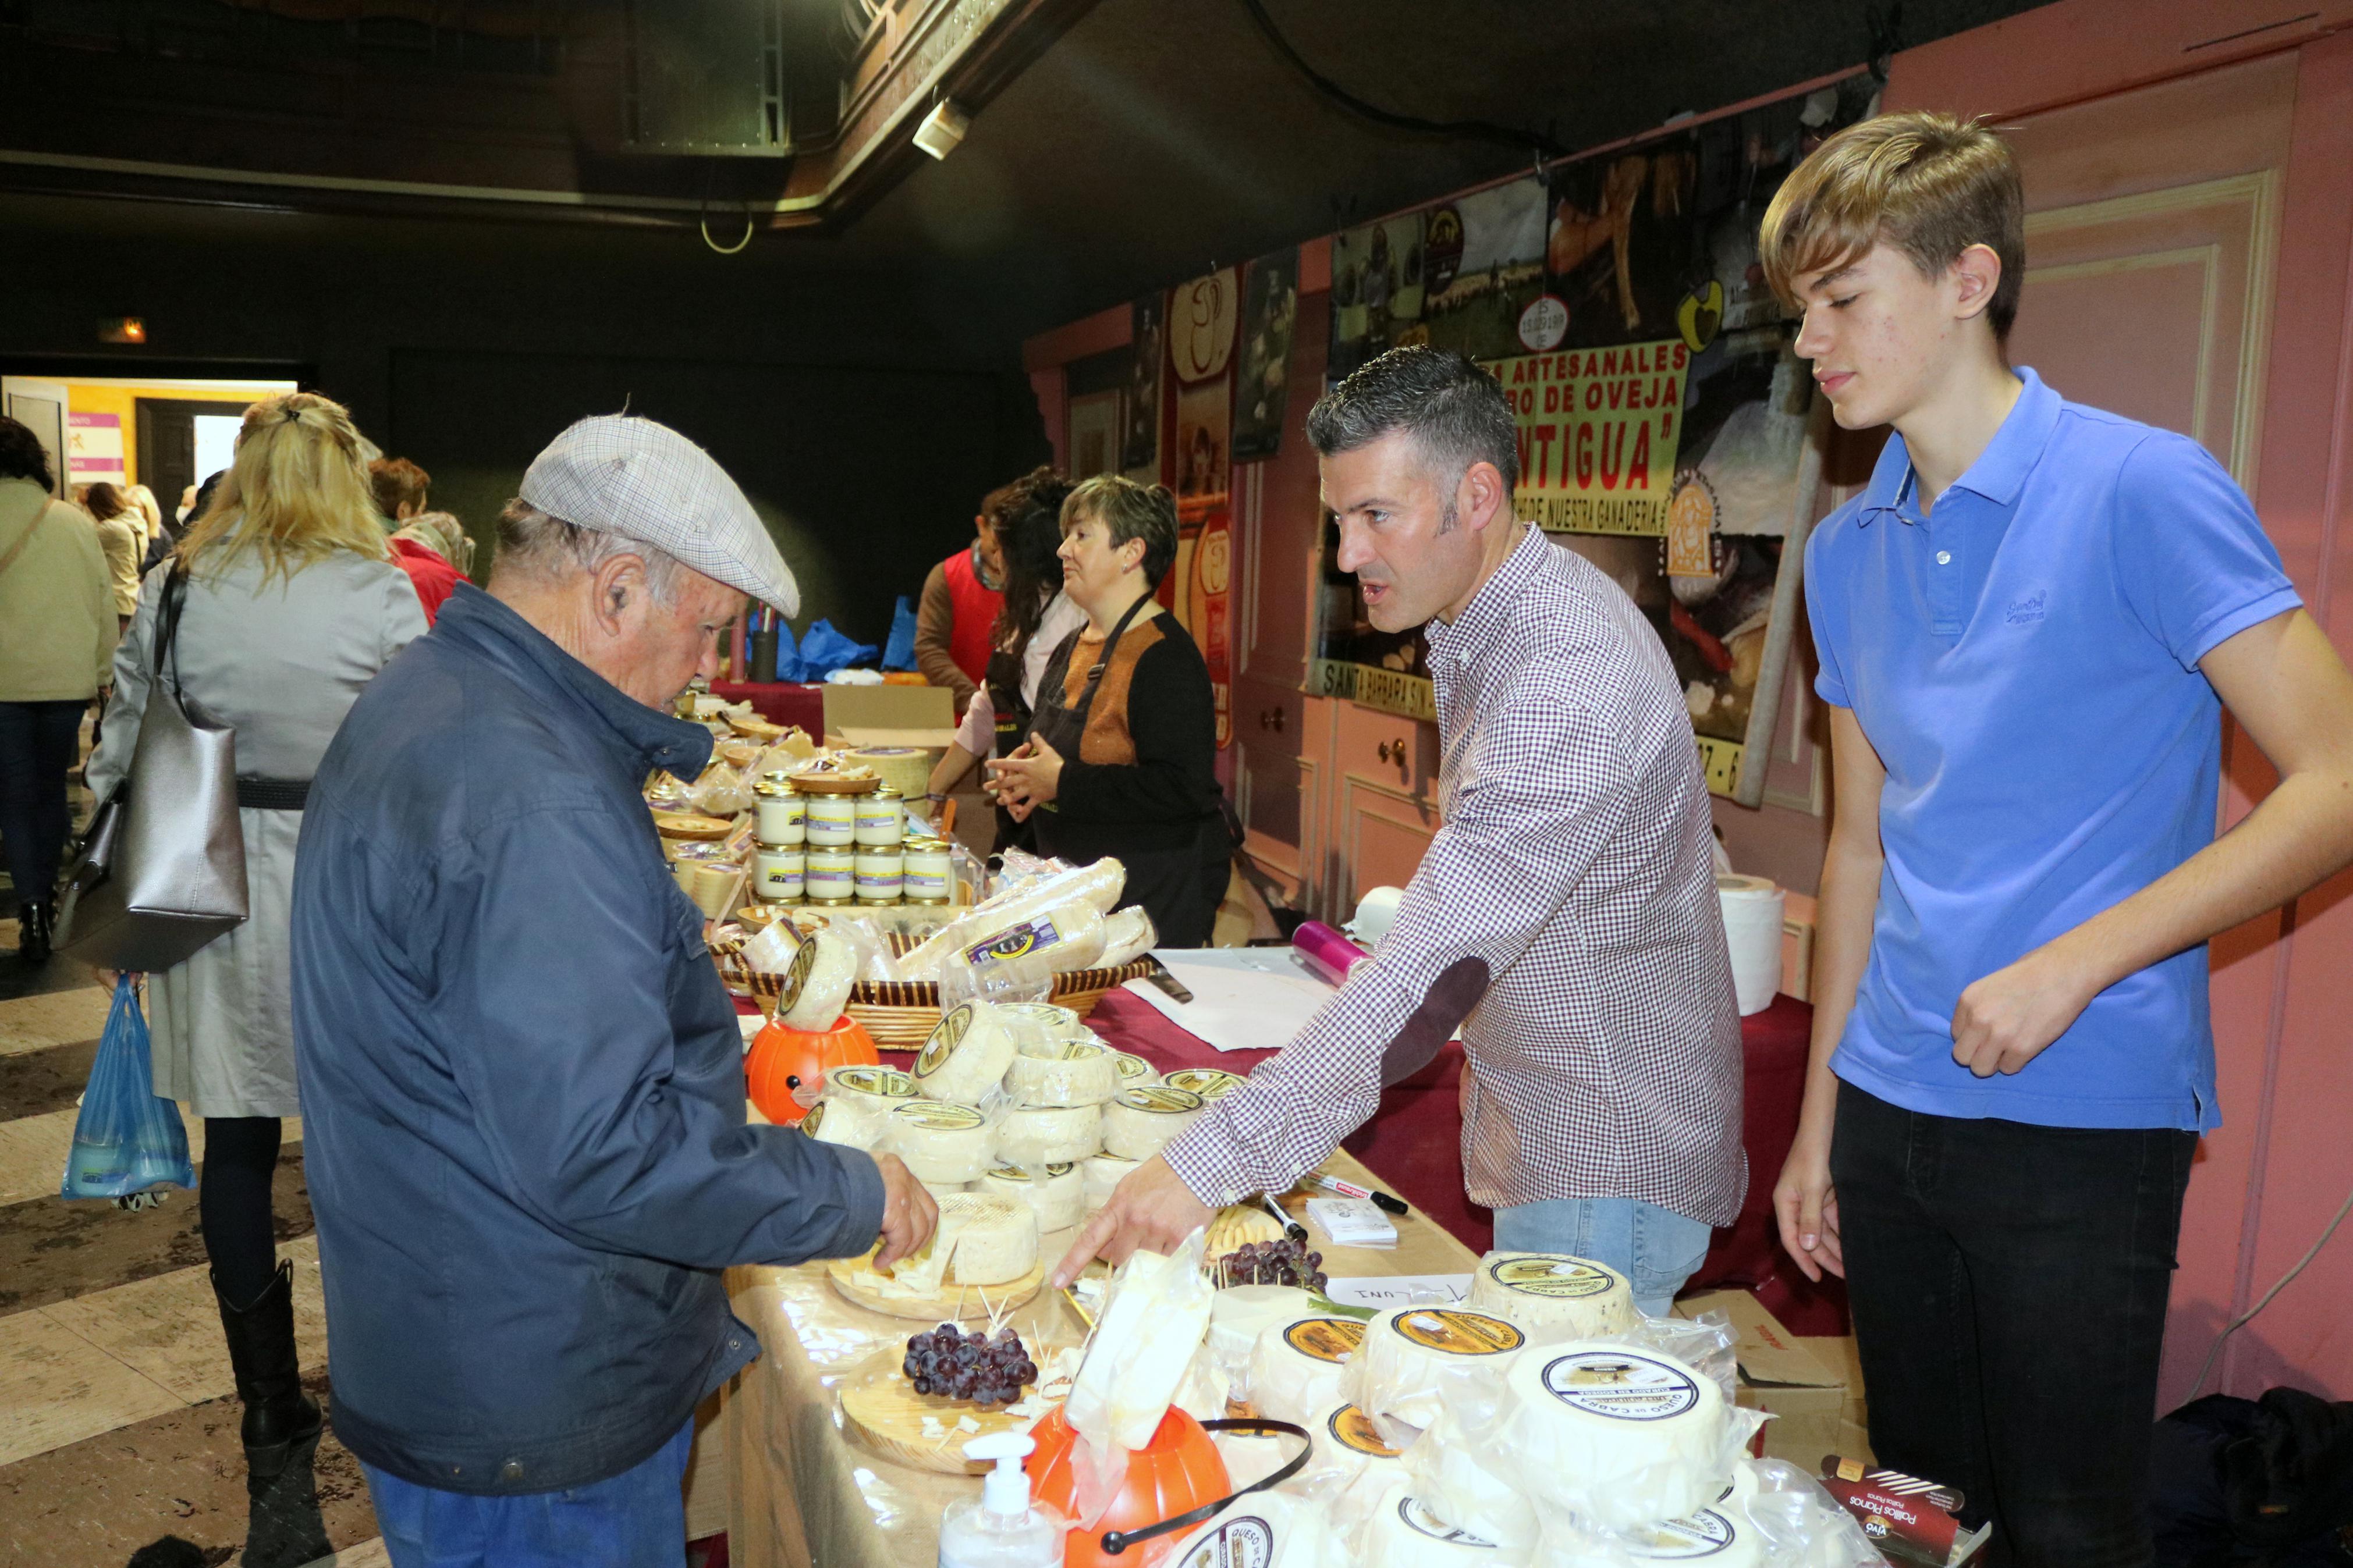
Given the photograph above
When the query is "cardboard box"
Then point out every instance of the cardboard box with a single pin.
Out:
(889, 708)
(1815, 1404)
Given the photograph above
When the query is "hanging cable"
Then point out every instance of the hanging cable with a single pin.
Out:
(2249, 1315)
(1479, 129)
(703, 221)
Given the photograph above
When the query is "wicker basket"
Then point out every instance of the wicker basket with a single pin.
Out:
(902, 1014)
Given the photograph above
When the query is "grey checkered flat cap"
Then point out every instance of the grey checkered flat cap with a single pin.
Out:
(619, 474)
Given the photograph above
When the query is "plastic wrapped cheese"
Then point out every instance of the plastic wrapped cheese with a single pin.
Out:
(1041, 1028)
(1417, 1359)
(1127, 936)
(858, 1101)
(1142, 1345)
(1055, 1193)
(940, 1142)
(1100, 1176)
(1454, 1472)
(1078, 1072)
(965, 1055)
(1616, 1434)
(1049, 1134)
(1209, 1083)
(1097, 885)
(1553, 1295)
(1134, 1070)
(828, 1122)
(1719, 1537)
(1295, 1368)
(1253, 1532)
(817, 982)
(1404, 1532)
(1139, 1120)
(1241, 1313)
(1352, 1465)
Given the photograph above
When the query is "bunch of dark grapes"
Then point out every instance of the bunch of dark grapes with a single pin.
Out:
(956, 1365)
(1283, 1262)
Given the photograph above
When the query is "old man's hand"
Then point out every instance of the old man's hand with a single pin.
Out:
(909, 1213)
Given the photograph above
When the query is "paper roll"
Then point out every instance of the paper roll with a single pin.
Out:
(1752, 929)
(1326, 951)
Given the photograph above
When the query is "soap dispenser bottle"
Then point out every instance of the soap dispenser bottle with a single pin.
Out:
(1001, 1528)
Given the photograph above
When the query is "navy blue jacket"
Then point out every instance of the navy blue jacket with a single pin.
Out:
(523, 1083)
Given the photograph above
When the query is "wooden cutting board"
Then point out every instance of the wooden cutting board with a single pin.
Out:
(881, 1407)
(956, 1303)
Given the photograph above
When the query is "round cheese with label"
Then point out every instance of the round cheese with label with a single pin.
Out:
(1251, 1532)
(965, 1055)
(817, 983)
(1040, 1026)
(1553, 1294)
(1417, 1359)
(1209, 1083)
(1049, 1134)
(1295, 1368)
(829, 1121)
(1454, 1473)
(1055, 1193)
(947, 1144)
(1405, 1531)
(1100, 1176)
(1718, 1538)
(1073, 1072)
(1140, 1120)
(1616, 1434)
(857, 1103)
(1134, 1070)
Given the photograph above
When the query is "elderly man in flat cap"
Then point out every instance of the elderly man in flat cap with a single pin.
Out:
(522, 1079)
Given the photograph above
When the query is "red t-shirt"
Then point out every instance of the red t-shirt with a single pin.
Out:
(976, 615)
(434, 577)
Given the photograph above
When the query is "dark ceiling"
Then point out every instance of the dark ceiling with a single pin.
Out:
(1152, 140)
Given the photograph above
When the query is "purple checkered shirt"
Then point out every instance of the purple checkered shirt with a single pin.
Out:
(1564, 917)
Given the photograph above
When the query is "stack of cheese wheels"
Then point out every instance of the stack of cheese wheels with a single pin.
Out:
(1553, 1295)
(1351, 1463)
(1614, 1432)
(1134, 1070)
(966, 1055)
(1067, 1072)
(1417, 1359)
(1035, 1135)
(950, 1144)
(1041, 1024)
(1454, 1472)
(1296, 1367)
(1404, 1532)
(1100, 1177)
(1721, 1537)
(858, 1101)
(1055, 1193)
(1209, 1083)
(1139, 1121)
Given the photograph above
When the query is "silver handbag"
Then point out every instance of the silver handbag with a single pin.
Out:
(162, 870)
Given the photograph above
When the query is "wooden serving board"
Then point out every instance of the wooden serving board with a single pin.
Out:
(954, 1303)
(881, 1407)
(826, 784)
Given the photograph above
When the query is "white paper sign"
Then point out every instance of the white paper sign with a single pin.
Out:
(1383, 1291)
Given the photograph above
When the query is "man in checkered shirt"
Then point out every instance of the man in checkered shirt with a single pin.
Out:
(1565, 916)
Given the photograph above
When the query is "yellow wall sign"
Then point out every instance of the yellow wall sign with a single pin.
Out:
(1597, 434)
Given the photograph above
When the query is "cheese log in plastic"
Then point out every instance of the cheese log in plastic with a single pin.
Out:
(1041, 1027)
(1096, 887)
(1056, 1194)
(1404, 1532)
(1139, 1120)
(1295, 1368)
(1100, 1176)
(1049, 1134)
(1553, 1295)
(1417, 1359)
(1065, 937)
(966, 1055)
(817, 983)
(1079, 1072)
(1616, 1434)
(945, 1143)
(1240, 1314)
(1209, 1083)
(1453, 1473)
(1135, 1072)
(1143, 1346)
(1127, 936)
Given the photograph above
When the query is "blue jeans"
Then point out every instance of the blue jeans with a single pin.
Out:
(634, 1520)
(1656, 1249)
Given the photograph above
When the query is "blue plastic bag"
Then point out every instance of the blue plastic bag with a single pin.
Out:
(899, 653)
(127, 1138)
(788, 657)
(825, 650)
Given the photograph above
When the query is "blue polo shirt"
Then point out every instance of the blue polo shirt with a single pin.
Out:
(2024, 661)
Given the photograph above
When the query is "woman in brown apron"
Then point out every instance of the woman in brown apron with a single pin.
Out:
(1121, 754)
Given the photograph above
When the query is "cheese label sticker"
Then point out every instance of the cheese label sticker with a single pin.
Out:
(945, 1038)
(1208, 1082)
(1162, 1098)
(1043, 1013)
(788, 994)
(939, 1117)
(1334, 1340)
(1131, 1065)
(1620, 1385)
(1031, 936)
(1021, 1174)
(1079, 1051)
(1457, 1332)
(888, 1082)
(1703, 1534)
(1352, 1428)
(1244, 1542)
(814, 1119)
(1417, 1516)
(1563, 1280)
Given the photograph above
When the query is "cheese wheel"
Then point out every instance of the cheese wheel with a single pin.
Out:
(834, 1122)
(1553, 1294)
(995, 1237)
(1240, 1314)
(1134, 1070)
(1100, 1176)
(862, 1097)
(1253, 1532)
(1140, 1120)
(948, 1143)
(1128, 935)
(1049, 1134)
(1404, 1532)
(1295, 1368)
(1417, 1359)
(1350, 1465)
(1056, 1194)
(1454, 1472)
(941, 1189)
(1076, 1072)
(1209, 1083)
(965, 1055)
(1040, 1027)
(817, 982)
(1720, 1537)
(1618, 1435)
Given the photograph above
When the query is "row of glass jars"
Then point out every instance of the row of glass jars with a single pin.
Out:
(788, 817)
(919, 873)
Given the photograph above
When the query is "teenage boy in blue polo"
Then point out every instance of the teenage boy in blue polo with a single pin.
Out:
(2029, 625)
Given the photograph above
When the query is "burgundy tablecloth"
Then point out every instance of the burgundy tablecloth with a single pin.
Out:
(780, 702)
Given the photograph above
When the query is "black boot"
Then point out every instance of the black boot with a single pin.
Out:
(279, 1416)
(33, 930)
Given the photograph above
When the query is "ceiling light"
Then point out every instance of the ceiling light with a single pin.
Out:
(122, 330)
(943, 127)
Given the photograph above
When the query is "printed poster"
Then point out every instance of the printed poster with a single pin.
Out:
(1376, 291)
(1598, 430)
(1269, 309)
(1203, 316)
(94, 450)
(1140, 447)
(1484, 254)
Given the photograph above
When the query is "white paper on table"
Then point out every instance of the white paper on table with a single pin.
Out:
(1244, 998)
(1383, 1291)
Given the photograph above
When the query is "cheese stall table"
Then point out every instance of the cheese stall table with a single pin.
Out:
(803, 1491)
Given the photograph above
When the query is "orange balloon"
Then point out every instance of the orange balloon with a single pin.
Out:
(1178, 1471)
(783, 1058)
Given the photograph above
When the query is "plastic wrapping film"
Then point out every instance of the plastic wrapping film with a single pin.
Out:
(1417, 1360)
(1769, 1515)
(1037, 1135)
(1078, 1072)
(1155, 1318)
(940, 1142)
(1454, 1472)
(1553, 1295)
(965, 1057)
(1007, 921)
(1140, 1122)
(1403, 1531)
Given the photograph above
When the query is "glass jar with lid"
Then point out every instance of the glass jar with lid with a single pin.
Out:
(784, 813)
(831, 876)
(782, 873)
(881, 874)
(882, 817)
(930, 873)
(832, 819)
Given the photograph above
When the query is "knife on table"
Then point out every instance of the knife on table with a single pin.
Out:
(1161, 977)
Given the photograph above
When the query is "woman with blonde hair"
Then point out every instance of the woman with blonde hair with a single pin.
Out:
(288, 603)
(122, 534)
